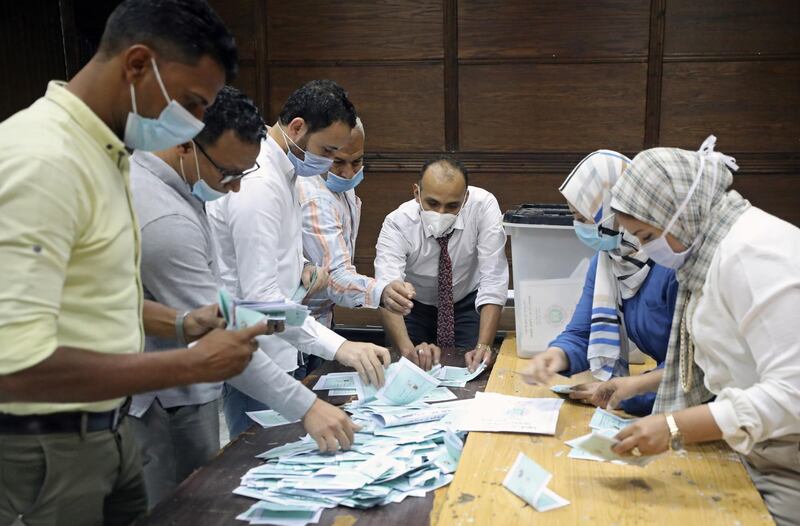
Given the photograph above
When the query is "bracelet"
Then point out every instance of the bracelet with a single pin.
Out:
(180, 334)
(482, 346)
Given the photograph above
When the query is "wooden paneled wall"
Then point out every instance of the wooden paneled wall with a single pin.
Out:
(521, 90)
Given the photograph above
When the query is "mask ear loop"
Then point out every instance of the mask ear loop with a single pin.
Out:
(133, 100)
(196, 160)
(160, 82)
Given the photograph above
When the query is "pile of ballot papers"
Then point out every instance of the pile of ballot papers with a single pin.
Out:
(409, 443)
(405, 448)
(240, 313)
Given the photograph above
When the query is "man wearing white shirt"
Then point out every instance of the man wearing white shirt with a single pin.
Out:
(259, 233)
(449, 243)
(331, 216)
(177, 429)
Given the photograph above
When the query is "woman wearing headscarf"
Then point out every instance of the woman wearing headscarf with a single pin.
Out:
(626, 298)
(736, 330)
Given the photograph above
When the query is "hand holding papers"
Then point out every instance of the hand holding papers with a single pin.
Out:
(455, 376)
(405, 383)
(240, 313)
(597, 444)
(562, 389)
(528, 480)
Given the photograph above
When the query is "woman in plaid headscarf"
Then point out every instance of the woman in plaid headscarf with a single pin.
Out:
(625, 297)
(735, 334)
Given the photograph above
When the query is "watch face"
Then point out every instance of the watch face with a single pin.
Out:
(676, 443)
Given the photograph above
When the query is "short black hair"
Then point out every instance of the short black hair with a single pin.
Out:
(181, 30)
(232, 110)
(451, 162)
(320, 103)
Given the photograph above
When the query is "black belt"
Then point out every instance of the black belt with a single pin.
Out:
(74, 422)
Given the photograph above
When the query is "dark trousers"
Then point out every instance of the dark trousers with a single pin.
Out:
(421, 323)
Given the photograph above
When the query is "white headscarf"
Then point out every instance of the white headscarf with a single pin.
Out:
(620, 272)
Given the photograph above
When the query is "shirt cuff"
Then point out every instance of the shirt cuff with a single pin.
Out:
(376, 293)
(730, 417)
(328, 342)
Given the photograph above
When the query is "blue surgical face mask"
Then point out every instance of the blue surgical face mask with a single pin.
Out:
(174, 126)
(201, 189)
(591, 236)
(311, 164)
(339, 184)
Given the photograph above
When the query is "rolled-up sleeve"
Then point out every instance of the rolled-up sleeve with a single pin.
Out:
(42, 212)
(762, 291)
(325, 244)
(492, 262)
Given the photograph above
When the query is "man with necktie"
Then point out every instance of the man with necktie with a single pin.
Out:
(449, 243)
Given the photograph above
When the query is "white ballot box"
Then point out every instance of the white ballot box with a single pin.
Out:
(549, 267)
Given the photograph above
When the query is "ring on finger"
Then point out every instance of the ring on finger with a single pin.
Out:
(635, 451)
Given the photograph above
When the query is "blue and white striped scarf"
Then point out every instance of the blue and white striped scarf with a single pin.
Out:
(619, 273)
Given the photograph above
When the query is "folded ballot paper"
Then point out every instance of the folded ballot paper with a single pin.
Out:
(528, 480)
(449, 376)
(597, 444)
(240, 313)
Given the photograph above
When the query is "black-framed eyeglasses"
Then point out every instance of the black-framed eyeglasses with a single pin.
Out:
(228, 176)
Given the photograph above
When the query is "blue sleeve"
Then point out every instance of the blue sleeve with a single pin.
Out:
(574, 340)
(639, 405)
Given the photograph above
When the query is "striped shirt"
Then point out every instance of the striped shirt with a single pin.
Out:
(330, 228)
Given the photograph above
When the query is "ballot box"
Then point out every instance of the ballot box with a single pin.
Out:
(549, 267)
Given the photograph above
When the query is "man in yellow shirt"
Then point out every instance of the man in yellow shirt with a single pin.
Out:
(70, 293)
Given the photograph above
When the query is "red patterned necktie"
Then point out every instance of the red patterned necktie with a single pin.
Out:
(445, 321)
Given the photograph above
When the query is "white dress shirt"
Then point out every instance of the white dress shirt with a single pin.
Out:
(405, 251)
(330, 229)
(179, 269)
(259, 235)
(745, 328)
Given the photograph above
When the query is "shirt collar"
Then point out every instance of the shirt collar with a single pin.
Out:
(88, 120)
(276, 153)
(160, 169)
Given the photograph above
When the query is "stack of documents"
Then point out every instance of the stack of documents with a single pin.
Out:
(400, 452)
(240, 313)
(597, 444)
(528, 480)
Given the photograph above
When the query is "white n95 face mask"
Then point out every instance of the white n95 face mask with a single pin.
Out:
(438, 224)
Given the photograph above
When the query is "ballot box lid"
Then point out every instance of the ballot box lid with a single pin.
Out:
(540, 214)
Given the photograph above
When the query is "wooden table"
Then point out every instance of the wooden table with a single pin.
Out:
(706, 486)
(205, 498)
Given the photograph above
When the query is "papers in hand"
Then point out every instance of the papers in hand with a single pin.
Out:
(561, 389)
(493, 412)
(602, 419)
(240, 313)
(449, 376)
(405, 384)
(528, 480)
(598, 443)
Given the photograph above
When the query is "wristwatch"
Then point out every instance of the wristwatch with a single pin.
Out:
(675, 438)
(180, 332)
